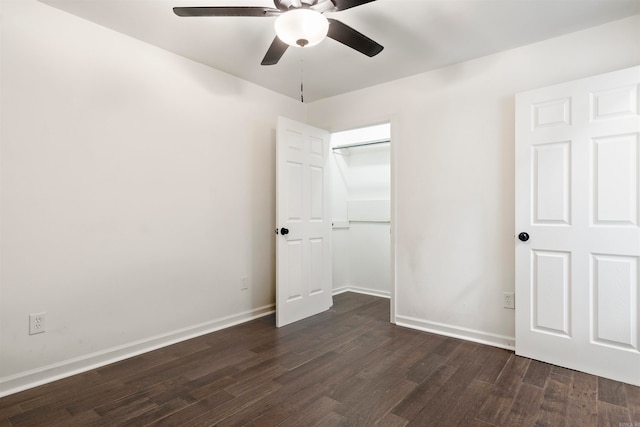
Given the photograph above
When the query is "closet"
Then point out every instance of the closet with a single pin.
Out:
(361, 175)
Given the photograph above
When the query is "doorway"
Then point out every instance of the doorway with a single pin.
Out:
(361, 210)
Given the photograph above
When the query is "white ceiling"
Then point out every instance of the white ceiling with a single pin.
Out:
(418, 35)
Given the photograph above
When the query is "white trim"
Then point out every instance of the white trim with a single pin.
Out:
(33, 378)
(372, 292)
(500, 341)
(393, 212)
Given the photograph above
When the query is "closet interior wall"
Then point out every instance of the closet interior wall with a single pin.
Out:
(361, 211)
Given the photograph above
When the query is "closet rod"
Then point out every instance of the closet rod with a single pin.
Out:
(361, 144)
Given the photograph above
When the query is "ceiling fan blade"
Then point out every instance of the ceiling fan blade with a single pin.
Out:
(348, 4)
(352, 38)
(275, 52)
(226, 11)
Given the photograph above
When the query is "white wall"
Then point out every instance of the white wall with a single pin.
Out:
(137, 188)
(453, 151)
(361, 243)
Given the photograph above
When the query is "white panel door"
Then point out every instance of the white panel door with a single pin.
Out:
(303, 249)
(577, 198)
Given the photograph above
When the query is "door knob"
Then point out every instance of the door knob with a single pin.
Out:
(523, 236)
(284, 231)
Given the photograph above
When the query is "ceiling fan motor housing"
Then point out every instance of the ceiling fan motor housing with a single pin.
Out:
(301, 27)
(296, 4)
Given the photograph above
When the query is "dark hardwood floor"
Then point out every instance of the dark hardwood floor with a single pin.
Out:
(347, 366)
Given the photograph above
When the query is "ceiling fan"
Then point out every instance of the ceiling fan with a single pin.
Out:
(299, 23)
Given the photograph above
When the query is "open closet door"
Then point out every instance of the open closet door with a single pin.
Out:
(303, 249)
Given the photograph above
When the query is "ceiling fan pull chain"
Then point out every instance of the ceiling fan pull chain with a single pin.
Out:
(301, 79)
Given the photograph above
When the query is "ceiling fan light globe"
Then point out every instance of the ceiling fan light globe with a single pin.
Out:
(301, 27)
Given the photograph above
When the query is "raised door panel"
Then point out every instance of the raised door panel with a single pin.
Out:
(615, 300)
(295, 273)
(295, 194)
(551, 113)
(552, 183)
(615, 103)
(316, 198)
(316, 258)
(551, 291)
(615, 180)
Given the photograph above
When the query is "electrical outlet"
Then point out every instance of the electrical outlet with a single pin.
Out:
(244, 283)
(509, 300)
(37, 323)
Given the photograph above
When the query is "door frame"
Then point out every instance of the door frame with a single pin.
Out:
(392, 120)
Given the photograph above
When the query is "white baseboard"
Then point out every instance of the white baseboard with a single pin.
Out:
(358, 290)
(33, 378)
(500, 341)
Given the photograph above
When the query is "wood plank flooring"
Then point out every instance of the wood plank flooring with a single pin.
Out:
(347, 366)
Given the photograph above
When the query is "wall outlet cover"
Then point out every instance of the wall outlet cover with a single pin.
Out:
(509, 300)
(37, 324)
